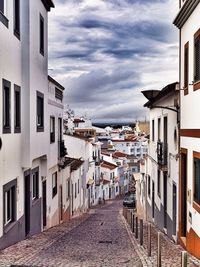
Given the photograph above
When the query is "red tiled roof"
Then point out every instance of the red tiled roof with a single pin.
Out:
(120, 155)
(108, 165)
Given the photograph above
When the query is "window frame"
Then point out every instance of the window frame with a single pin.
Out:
(16, 18)
(3, 17)
(9, 187)
(196, 205)
(52, 133)
(41, 31)
(186, 68)
(54, 184)
(196, 85)
(17, 128)
(6, 128)
(35, 184)
(153, 130)
(39, 127)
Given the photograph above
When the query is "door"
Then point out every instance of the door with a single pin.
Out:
(44, 203)
(27, 206)
(72, 199)
(61, 203)
(153, 199)
(110, 192)
(174, 208)
(183, 195)
(165, 199)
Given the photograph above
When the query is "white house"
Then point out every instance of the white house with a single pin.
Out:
(162, 161)
(188, 22)
(25, 124)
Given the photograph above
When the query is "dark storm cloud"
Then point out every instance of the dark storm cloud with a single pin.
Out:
(105, 51)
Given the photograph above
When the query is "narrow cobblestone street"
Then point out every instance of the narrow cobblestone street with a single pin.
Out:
(96, 239)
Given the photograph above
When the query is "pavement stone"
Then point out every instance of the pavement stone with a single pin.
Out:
(96, 239)
(171, 252)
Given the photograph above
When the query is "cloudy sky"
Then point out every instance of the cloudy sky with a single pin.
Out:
(104, 52)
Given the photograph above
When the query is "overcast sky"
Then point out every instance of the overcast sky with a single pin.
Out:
(104, 52)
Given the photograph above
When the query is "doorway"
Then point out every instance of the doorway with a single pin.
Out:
(27, 203)
(153, 199)
(174, 208)
(44, 203)
(165, 199)
(183, 194)
(61, 204)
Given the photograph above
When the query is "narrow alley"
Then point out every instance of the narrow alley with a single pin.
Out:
(96, 239)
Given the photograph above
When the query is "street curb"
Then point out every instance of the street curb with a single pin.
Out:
(146, 262)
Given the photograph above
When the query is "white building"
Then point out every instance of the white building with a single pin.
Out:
(25, 123)
(162, 161)
(188, 22)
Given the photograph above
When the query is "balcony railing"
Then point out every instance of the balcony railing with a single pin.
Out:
(162, 151)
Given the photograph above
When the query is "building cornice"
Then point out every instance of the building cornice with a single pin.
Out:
(56, 83)
(48, 4)
(185, 12)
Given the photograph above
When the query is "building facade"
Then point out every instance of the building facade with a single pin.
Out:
(188, 22)
(162, 160)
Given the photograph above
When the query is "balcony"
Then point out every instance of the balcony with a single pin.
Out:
(162, 151)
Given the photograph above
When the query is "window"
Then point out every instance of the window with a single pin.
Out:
(52, 129)
(158, 129)
(17, 18)
(54, 184)
(6, 107)
(149, 185)
(40, 112)
(3, 19)
(197, 60)
(17, 109)
(78, 186)
(35, 183)
(158, 183)
(41, 35)
(153, 137)
(197, 180)
(9, 202)
(186, 67)
(58, 94)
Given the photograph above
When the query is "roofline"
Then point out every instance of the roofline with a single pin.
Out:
(165, 91)
(56, 83)
(185, 12)
(48, 4)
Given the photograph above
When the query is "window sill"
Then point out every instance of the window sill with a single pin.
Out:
(196, 206)
(35, 201)
(3, 19)
(196, 85)
(17, 130)
(40, 129)
(6, 130)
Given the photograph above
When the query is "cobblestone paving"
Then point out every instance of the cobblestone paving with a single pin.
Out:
(171, 252)
(98, 239)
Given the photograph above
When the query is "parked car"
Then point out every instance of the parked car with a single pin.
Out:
(130, 201)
